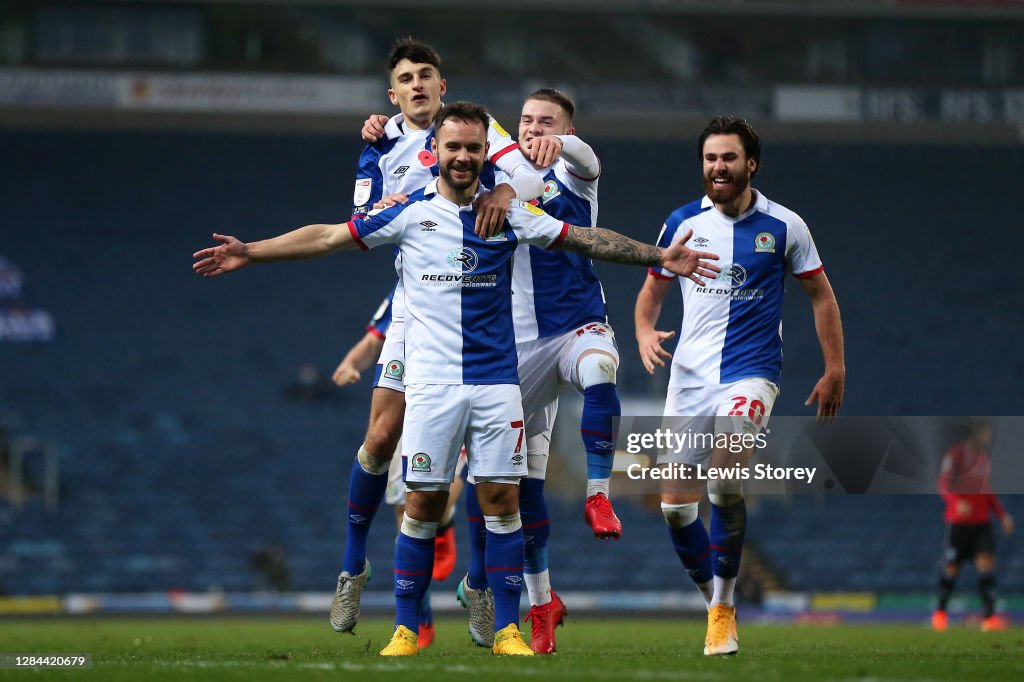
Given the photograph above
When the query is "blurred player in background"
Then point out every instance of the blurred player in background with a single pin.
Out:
(359, 358)
(729, 357)
(399, 164)
(970, 503)
(462, 381)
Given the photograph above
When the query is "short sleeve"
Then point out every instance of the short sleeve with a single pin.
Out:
(381, 320)
(801, 255)
(380, 227)
(665, 239)
(533, 226)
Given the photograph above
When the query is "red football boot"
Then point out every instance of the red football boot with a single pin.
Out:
(444, 553)
(426, 635)
(601, 517)
(543, 621)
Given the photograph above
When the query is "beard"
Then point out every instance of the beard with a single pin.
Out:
(446, 173)
(727, 193)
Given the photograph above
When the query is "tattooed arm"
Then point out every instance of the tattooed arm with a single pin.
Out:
(608, 245)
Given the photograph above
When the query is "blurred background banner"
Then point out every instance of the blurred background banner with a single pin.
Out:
(161, 434)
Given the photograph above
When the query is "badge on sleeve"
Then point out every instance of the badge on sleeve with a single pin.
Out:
(531, 208)
(362, 191)
(497, 126)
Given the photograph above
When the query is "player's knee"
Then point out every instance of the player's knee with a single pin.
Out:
(498, 499)
(426, 503)
(596, 368)
(382, 441)
(679, 515)
(724, 495)
(372, 464)
(536, 465)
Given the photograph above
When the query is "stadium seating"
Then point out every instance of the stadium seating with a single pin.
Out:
(182, 455)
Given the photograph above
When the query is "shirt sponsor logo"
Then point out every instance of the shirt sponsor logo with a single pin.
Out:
(701, 242)
(465, 281)
(421, 462)
(400, 171)
(732, 279)
(737, 275)
(428, 226)
(764, 242)
(463, 260)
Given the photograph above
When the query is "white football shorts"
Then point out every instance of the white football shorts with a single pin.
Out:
(391, 364)
(394, 494)
(546, 364)
(741, 407)
(441, 418)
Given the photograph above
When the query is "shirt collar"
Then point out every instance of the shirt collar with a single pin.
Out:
(431, 189)
(760, 204)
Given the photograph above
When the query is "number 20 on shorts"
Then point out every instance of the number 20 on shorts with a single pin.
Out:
(755, 412)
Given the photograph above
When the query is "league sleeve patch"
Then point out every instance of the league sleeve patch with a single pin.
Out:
(361, 195)
(497, 127)
(531, 208)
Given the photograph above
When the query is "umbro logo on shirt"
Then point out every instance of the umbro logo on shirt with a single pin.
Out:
(428, 226)
(701, 242)
(401, 170)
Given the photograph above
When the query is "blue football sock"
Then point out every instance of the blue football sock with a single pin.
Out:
(536, 524)
(477, 538)
(365, 493)
(426, 612)
(414, 565)
(693, 547)
(728, 527)
(600, 406)
(504, 564)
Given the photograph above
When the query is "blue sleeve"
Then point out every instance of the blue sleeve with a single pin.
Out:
(381, 320)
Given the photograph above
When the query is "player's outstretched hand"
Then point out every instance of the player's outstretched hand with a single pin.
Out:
(391, 199)
(492, 209)
(345, 374)
(651, 352)
(688, 263)
(828, 393)
(544, 150)
(1007, 523)
(217, 260)
(373, 128)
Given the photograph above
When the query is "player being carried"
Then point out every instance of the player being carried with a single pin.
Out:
(401, 163)
(562, 337)
(461, 377)
(729, 356)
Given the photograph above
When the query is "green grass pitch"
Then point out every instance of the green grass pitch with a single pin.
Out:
(613, 648)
